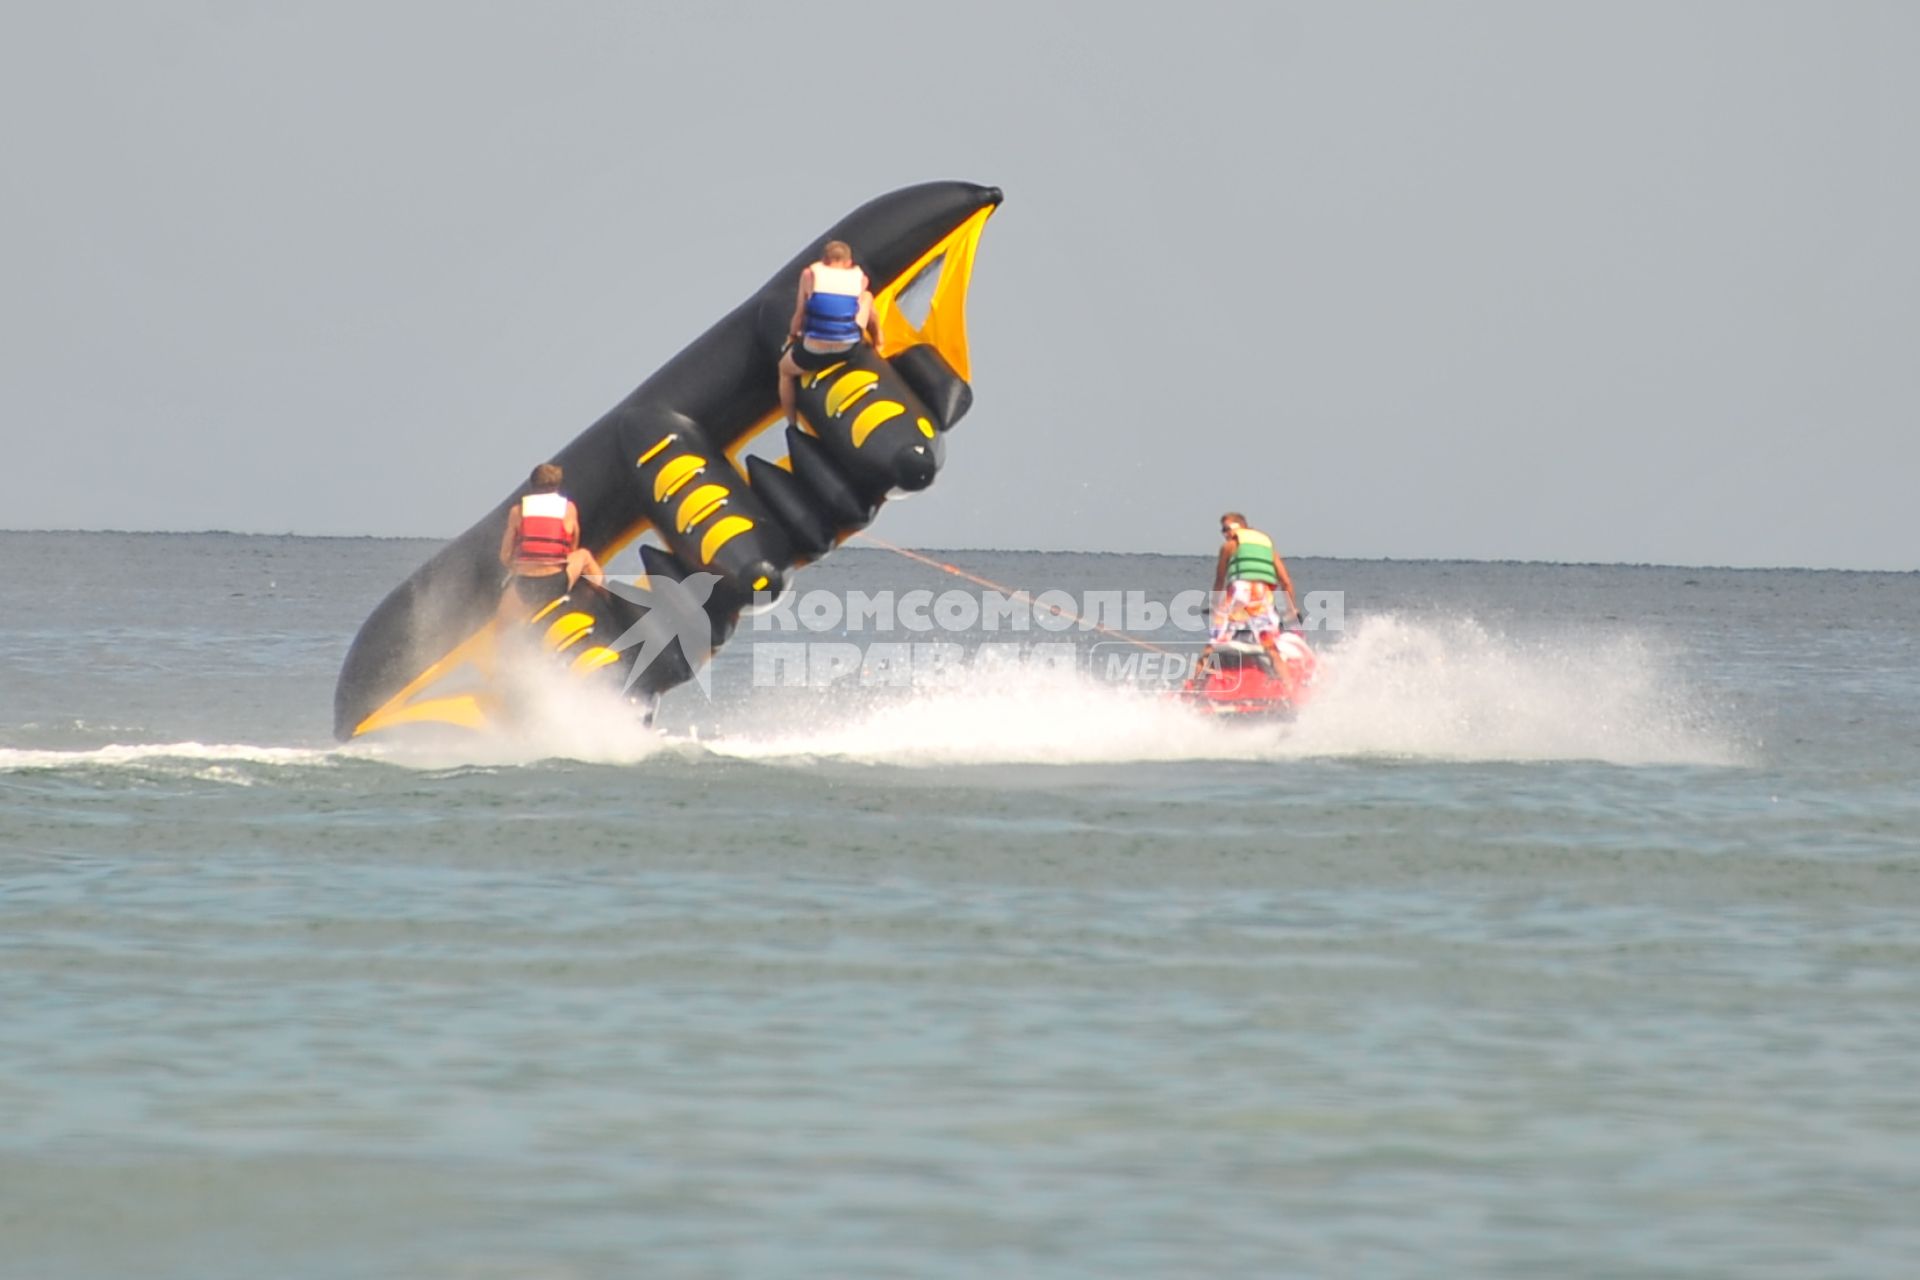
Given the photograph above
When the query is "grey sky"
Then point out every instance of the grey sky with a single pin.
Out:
(1540, 281)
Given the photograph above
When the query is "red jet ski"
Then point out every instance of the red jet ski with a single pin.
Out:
(1238, 677)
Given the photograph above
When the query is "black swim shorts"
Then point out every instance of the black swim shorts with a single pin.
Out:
(815, 361)
(538, 592)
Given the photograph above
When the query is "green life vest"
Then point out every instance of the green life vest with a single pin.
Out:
(1253, 559)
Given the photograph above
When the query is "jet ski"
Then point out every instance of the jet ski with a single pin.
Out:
(1238, 678)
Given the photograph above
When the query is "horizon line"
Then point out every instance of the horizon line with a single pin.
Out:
(1066, 551)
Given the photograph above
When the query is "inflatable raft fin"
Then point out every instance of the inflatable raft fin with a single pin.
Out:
(810, 462)
(788, 499)
(941, 389)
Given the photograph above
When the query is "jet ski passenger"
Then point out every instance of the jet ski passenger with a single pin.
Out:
(541, 545)
(833, 309)
(1244, 576)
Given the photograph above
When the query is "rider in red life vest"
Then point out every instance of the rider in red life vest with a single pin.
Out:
(830, 314)
(541, 545)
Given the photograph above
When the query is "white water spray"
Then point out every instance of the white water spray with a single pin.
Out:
(1393, 689)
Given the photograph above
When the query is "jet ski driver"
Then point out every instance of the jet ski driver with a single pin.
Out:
(1244, 576)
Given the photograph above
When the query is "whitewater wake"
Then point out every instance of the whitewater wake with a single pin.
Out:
(1391, 688)
(209, 761)
(1455, 691)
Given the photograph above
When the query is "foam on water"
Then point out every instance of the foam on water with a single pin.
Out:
(556, 717)
(1392, 688)
(1034, 717)
(200, 758)
(1455, 691)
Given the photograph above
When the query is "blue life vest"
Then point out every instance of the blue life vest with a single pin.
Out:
(833, 313)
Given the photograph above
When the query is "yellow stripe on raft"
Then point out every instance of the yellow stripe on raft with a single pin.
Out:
(665, 442)
(856, 397)
(595, 658)
(674, 476)
(848, 389)
(569, 631)
(547, 609)
(699, 504)
(462, 710)
(871, 418)
(808, 379)
(722, 532)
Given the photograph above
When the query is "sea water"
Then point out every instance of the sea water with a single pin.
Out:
(1570, 930)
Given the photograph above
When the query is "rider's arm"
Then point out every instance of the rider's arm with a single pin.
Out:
(1220, 565)
(798, 324)
(869, 318)
(1286, 582)
(509, 536)
(591, 570)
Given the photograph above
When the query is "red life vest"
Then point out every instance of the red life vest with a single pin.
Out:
(544, 539)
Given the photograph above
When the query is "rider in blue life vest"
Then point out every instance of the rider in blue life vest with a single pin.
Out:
(833, 310)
